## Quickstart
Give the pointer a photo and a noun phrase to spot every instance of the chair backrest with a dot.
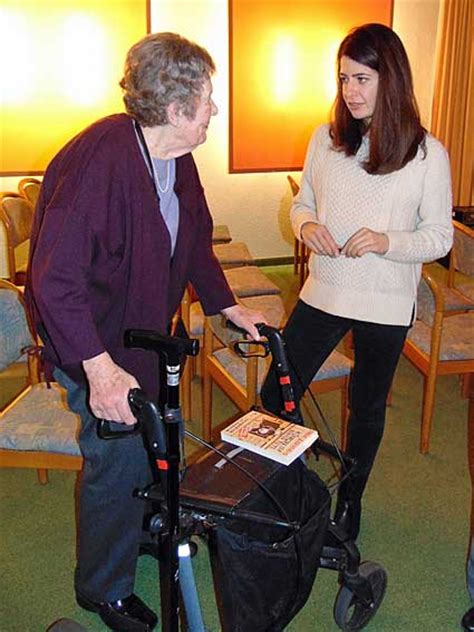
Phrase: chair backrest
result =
(295, 187)
(29, 188)
(16, 218)
(16, 332)
(464, 248)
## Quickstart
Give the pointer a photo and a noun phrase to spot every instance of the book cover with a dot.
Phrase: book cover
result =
(269, 436)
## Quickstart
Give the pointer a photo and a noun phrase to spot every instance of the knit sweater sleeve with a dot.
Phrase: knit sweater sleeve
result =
(304, 207)
(432, 236)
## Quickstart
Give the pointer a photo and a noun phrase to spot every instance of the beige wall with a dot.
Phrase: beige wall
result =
(416, 22)
(256, 206)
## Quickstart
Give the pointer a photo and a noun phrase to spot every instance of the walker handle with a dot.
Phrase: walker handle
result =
(112, 430)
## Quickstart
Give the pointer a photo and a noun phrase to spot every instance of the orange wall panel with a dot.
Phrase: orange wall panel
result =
(61, 64)
(283, 74)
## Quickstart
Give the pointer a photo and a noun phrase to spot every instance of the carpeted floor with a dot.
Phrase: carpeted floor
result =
(415, 523)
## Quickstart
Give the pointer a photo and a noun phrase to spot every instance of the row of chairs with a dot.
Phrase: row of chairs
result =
(16, 218)
(439, 343)
(37, 431)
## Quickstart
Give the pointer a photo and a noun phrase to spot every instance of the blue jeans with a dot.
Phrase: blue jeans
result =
(310, 336)
(110, 519)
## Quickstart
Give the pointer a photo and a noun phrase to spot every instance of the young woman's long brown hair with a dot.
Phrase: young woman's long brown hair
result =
(395, 130)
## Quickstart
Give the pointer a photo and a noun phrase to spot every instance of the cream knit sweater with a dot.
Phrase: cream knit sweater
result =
(411, 206)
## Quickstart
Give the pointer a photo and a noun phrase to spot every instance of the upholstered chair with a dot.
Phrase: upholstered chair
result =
(36, 428)
(437, 344)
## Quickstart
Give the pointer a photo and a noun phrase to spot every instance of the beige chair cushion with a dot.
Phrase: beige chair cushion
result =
(40, 421)
(221, 234)
(233, 255)
(336, 365)
(457, 341)
(250, 281)
(455, 299)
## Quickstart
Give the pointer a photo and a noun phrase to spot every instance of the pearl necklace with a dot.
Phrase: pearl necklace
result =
(157, 179)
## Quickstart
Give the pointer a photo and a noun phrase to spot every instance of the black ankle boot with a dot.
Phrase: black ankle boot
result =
(347, 514)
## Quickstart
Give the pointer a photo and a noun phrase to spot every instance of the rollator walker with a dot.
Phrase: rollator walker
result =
(267, 525)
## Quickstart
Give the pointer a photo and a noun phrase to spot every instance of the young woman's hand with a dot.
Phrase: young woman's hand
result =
(318, 239)
(364, 241)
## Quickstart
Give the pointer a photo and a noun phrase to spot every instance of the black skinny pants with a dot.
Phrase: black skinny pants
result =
(310, 336)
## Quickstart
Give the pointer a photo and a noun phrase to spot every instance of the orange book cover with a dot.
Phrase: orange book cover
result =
(269, 436)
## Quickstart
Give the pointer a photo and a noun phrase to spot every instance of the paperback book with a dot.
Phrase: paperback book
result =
(269, 436)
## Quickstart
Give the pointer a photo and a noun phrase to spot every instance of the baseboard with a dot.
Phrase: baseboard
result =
(274, 261)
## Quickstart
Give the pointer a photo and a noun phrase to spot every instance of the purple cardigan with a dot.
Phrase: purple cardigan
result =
(100, 252)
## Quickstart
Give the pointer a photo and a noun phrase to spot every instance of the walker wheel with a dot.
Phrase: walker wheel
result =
(352, 614)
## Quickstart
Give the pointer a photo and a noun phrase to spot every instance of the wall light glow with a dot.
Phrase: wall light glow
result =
(284, 53)
(16, 58)
(85, 63)
(60, 64)
(283, 74)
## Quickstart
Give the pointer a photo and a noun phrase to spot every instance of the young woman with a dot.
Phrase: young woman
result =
(374, 204)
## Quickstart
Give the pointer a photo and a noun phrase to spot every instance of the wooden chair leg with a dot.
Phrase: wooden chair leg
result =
(466, 385)
(303, 264)
(42, 476)
(429, 388)
(296, 256)
(186, 386)
(206, 405)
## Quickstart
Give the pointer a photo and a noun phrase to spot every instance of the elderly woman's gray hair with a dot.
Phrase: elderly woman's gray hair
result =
(160, 69)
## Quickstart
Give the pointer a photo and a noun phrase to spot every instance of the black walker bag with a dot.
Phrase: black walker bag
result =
(263, 574)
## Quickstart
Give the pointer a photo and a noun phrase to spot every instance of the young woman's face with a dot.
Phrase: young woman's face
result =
(359, 88)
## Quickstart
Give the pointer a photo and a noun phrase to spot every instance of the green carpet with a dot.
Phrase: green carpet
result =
(415, 522)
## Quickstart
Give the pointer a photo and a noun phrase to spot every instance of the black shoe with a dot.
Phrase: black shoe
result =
(347, 516)
(468, 621)
(125, 615)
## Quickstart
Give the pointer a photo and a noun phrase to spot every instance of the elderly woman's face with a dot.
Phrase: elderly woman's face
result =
(194, 132)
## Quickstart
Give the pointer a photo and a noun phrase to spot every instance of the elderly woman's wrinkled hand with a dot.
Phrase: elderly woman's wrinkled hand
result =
(109, 386)
(245, 318)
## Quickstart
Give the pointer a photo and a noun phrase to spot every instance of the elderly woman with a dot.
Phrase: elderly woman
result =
(122, 227)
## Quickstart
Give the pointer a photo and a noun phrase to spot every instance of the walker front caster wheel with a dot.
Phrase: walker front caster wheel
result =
(350, 613)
